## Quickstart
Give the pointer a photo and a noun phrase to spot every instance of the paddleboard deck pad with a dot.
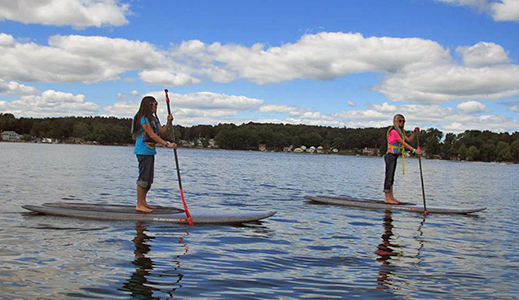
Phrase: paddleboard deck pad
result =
(159, 214)
(376, 204)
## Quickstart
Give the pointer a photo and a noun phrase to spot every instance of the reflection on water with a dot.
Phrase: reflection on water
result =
(139, 285)
(386, 251)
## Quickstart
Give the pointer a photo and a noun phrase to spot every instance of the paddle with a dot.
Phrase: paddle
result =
(188, 215)
(421, 175)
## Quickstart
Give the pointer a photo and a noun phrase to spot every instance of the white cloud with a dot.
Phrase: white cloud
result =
(6, 40)
(15, 88)
(514, 108)
(50, 104)
(292, 110)
(351, 104)
(31, 62)
(471, 107)
(415, 70)
(485, 122)
(193, 106)
(77, 59)
(209, 100)
(500, 10)
(320, 56)
(483, 54)
(119, 54)
(427, 116)
(434, 85)
(166, 78)
(75, 13)
(278, 108)
(505, 10)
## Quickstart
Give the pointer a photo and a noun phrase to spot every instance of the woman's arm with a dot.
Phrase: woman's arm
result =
(155, 137)
(168, 125)
(409, 147)
(411, 138)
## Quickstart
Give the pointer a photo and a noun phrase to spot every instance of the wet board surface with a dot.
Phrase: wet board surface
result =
(376, 204)
(159, 214)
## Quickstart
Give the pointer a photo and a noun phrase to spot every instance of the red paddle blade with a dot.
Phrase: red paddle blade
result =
(188, 215)
(167, 97)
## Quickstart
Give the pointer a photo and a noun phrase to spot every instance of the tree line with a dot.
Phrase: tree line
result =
(469, 145)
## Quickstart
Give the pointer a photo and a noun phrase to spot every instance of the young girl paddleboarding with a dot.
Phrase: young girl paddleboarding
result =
(146, 129)
(397, 142)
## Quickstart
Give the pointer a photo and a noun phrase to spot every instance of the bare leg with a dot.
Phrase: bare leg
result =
(141, 200)
(390, 199)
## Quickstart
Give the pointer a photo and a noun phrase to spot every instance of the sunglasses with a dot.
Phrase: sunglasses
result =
(154, 103)
(401, 121)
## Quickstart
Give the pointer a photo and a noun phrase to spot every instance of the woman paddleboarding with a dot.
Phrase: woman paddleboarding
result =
(397, 142)
(146, 129)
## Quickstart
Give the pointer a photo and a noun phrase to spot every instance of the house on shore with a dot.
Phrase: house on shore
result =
(11, 136)
(288, 149)
(212, 144)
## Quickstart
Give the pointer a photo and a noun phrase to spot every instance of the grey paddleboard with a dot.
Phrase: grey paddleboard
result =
(159, 214)
(376, 204)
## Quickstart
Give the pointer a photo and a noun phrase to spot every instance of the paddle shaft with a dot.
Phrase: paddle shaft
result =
(421, 175)
(188, 215)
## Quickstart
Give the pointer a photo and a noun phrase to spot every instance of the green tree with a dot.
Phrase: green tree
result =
(503, 152)
(514, 150)
(487, 151)
(463, 151)
(80, 130)
(473, 153)
(7, 122)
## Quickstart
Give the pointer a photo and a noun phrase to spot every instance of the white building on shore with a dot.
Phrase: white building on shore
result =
(11, 136)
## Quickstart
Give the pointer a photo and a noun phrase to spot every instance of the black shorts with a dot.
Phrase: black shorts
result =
(146, 171)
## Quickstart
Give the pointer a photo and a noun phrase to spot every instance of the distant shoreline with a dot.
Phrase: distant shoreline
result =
(219, 149)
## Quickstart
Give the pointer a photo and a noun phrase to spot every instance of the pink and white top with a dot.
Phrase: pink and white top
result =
(393, 136)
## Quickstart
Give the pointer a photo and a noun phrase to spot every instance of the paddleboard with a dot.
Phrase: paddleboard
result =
(376, 204)
(159, 214)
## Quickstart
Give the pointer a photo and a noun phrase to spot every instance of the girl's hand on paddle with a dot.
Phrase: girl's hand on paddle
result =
(171, 145)
(170, 118)
(418, 151)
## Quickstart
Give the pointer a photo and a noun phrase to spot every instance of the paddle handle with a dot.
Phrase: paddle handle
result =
(167, 101)
(421, 176)
(169, 113)
(188, 215)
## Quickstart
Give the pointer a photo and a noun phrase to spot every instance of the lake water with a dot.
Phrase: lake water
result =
(305, 251)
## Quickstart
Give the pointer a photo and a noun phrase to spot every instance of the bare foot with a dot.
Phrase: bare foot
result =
(392, 201)
(143, 209)
(150, 206)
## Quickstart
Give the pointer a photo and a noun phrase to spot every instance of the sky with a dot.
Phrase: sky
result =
(446, 64)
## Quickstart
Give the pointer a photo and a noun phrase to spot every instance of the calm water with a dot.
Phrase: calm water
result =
(304, 251)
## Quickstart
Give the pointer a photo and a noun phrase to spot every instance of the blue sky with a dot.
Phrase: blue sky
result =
(448, 64)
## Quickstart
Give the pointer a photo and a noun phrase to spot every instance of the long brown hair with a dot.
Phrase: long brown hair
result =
(144, 111)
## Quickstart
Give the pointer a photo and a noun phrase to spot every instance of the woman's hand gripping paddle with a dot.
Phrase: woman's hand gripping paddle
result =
(421, 175)
(188, 215)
